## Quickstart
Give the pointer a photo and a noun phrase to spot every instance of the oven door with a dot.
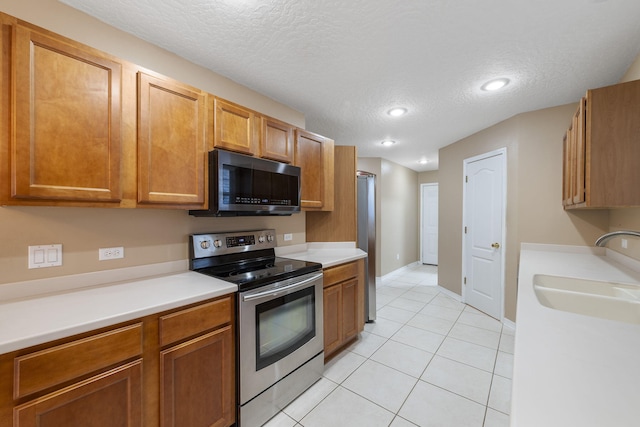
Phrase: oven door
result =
(280, 329)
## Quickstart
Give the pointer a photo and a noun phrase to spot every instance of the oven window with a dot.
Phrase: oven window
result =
(283, 325)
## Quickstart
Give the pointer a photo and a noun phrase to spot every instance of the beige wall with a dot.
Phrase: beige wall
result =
(450, 178)
(400, 210)
(148, 236)
(428, 177)
(397, 209)
(534, 181)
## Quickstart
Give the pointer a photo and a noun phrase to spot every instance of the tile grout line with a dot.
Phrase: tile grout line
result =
(418, 379)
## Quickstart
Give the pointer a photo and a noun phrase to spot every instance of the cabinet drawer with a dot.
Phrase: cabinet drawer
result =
(113, 398)
(192, 321)
(37, 371)
(340, 273)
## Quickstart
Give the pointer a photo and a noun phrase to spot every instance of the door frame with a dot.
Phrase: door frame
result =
(466, 162)
(422, 187)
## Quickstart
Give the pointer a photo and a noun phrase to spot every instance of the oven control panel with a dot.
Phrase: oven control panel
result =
(213, 244)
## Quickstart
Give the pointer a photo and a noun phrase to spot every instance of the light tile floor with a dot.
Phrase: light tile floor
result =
(428, 360)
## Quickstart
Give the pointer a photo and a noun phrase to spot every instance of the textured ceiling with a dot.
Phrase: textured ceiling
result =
(344, 64)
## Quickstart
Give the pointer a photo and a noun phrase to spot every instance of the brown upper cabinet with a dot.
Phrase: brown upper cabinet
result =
(236, 128)
(88, 129)
(66, 112)
(242, 130)
(601, 149)
(314, 155)
(171, 142)
(277, 140)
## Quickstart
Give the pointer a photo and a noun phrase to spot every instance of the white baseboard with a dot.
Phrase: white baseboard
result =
(398, 271)
(508, 323)
(450, 294)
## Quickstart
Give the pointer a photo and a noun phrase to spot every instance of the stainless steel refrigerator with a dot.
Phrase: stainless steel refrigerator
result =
(367, 238)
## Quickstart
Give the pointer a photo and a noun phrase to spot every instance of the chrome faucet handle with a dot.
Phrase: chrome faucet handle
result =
(602, 240)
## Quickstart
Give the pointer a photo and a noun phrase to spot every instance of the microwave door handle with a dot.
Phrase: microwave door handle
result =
(285, 289)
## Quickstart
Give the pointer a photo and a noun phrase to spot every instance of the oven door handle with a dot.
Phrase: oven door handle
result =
(284, 289)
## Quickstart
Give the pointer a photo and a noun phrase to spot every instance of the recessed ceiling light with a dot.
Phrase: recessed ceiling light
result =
(397, 112)
(387, 142)
(423, 161)
(495, 84)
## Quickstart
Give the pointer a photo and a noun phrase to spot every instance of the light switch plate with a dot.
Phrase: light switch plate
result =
(42, 256)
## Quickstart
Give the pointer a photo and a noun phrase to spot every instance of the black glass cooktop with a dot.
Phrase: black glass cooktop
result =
(252, 273)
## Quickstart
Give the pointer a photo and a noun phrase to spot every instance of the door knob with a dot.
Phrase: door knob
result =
(495, 245)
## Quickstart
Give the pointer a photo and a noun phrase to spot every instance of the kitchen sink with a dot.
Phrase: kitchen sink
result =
(607, 300)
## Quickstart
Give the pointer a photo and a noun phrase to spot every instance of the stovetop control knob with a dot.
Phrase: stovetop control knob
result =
(270, 237)
(217, 243)
(205, 244)
(261, 239)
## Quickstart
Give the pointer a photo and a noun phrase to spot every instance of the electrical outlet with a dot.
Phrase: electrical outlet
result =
(623, 243)
(288, 237)
(397, 256)
(110, 253)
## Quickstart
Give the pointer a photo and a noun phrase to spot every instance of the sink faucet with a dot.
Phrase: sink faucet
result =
(602, 240)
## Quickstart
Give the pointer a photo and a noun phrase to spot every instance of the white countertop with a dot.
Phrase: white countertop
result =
(571, 369)
(38, 311)
(328, 254)
(32, 320)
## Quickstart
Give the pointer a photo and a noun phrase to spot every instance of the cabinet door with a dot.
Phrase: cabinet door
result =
(111, 399)
(197, 382)
(171, 143)
(67, 114)
(314, 155)
(332, 323)
(566, 170)
(235, 128)
(277, 140)
(350, 324)
(578, 135)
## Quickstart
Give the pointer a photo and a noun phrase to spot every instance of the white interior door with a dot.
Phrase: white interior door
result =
(483, 216)
(429, 224)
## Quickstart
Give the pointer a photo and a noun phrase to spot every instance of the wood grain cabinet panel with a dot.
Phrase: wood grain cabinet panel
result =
(187, 323)
(110, 399)
(235, 128)
(601, 152)
(350, 312)
(66, 113)
(38, 371)
(339, 225)
(197, 382)
(277, 140)
(343, 305)
(332, 305)
(314, 155)
(171, 143)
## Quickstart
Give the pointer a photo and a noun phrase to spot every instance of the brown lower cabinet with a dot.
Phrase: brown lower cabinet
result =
(110, 399)
(174, 369)
(343, 301)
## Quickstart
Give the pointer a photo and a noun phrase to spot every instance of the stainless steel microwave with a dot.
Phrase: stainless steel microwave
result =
(245, 185)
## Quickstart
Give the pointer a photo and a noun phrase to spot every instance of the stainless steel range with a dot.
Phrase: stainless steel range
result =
(279, 318)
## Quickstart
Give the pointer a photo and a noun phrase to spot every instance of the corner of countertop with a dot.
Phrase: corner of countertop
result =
(310, 246)
(545, 247)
